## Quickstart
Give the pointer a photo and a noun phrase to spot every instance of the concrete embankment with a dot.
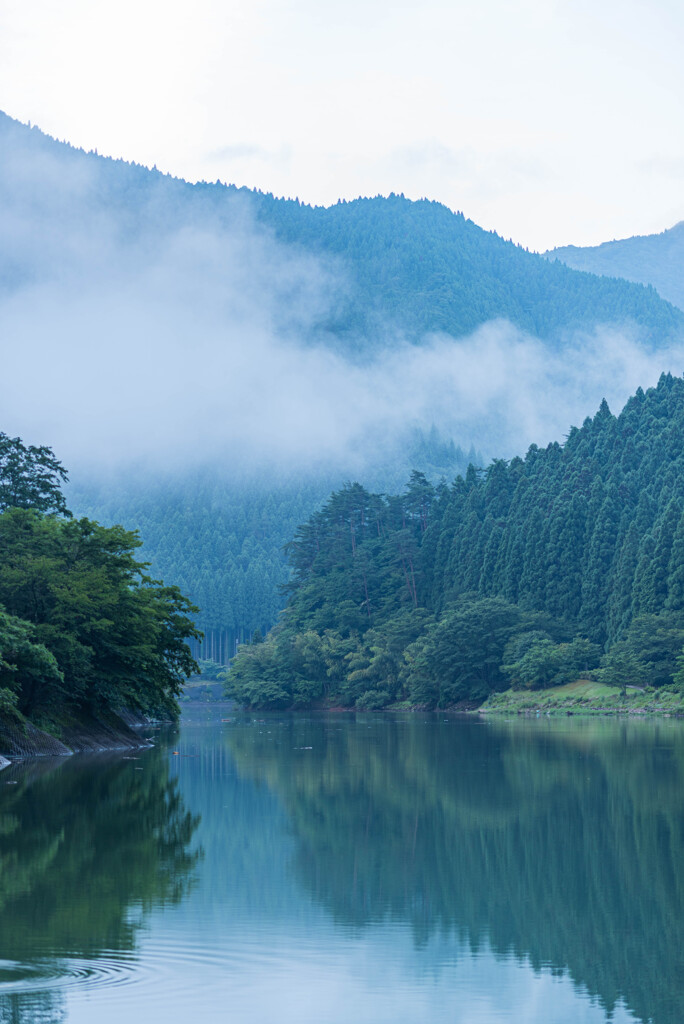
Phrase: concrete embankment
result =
(23, 739)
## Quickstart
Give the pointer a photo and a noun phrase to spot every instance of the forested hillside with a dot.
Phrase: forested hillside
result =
(139, 299)
(525, 574)
(647, 259)
(221, 544)
(406, 267)
(417, 267)
(222, 541)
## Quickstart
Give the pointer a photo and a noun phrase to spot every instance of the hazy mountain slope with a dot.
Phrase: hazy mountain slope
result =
(190, 345)
(422, 268)
(401, 267)
(222, 541)
(657, 260)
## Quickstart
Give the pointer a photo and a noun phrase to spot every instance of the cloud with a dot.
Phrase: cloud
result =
(248, 152)
(662, 166)
(489, 170)
(149, 331)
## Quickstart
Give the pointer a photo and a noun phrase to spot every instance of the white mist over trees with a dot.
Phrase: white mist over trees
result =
(157, 334)
(144, 319)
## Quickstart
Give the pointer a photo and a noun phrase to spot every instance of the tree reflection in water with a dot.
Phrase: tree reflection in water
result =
(88, 845)
(560, 843)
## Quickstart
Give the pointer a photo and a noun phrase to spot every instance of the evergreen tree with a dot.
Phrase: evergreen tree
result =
(522, 573)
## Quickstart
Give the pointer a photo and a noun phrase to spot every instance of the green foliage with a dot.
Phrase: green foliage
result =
(87, 628)
(459, 657)
(648, 653)
(407, 268)
(533, 661)
(30, 477)
(209, 669)
(254, 678)
(649, 259)
(373, 700)
(398, 269)
(25, 664)
(523, 574)
(222, 540)
(218, 540)
(418, 267)
(8, 703)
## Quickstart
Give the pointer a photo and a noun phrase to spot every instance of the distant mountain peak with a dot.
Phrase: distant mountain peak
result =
(656, 260)
(413, 268)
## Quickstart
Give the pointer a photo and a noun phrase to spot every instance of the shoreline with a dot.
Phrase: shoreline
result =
(20, 739)
(583, 697)
(586, 697)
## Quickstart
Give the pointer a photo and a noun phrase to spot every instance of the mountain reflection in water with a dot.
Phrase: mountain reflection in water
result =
(558, 842)
(382, 868)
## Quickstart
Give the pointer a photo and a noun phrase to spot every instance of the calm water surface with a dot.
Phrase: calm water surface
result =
(364, 868)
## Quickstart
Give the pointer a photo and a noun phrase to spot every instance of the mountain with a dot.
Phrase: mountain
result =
(656, 260)
(179, 331)
(420, 268)
(407, 268)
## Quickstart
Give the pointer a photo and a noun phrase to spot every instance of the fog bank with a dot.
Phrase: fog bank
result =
(143, 336)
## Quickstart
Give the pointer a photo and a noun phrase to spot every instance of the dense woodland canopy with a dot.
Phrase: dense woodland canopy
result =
(222, 539)
(404, 266)
(393, 270)
(83, 628)
(528, 573)
(654, 259)
(420, 268)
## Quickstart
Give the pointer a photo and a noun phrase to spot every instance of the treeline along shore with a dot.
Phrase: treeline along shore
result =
(528, 575)
(88, 641)
(503, 589)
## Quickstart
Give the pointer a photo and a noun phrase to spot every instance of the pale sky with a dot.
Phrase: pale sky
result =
(550, 121)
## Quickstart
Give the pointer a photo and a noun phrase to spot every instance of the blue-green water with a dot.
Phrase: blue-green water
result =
(364, 868)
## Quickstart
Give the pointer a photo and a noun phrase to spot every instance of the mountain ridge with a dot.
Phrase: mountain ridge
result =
(412, 268)
(656, 259)
(97, 251)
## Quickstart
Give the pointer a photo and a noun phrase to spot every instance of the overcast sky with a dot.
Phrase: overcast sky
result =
(551, 121)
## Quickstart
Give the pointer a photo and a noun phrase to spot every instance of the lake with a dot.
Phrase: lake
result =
(349, 867)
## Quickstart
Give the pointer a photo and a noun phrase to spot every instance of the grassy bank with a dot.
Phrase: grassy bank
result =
(585, 697)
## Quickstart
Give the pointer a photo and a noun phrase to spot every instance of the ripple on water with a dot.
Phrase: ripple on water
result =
(168, 965)
(163, 966)
(50, 973)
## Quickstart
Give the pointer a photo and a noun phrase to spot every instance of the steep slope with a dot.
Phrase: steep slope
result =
(421, 268)
(95, 252)
(449, 594)
(656, 260)
(404, 267)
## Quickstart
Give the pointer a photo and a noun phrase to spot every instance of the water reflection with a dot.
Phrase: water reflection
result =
(87, 846)
(554, 842)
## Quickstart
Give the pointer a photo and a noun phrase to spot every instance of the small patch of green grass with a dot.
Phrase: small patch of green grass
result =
(585, 696)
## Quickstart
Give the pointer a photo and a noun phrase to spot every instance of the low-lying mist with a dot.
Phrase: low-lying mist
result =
(160, 340)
